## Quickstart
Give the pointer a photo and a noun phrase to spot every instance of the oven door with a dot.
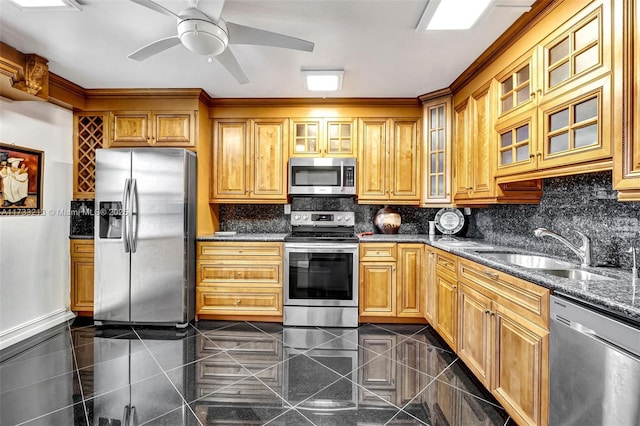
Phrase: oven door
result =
(321, 274)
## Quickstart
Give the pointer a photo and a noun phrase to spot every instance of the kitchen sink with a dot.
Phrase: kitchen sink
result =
(575, 274)
(532, 261)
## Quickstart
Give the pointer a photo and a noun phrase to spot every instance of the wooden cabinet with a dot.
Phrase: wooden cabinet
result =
(430, 284)
(323, 137)
(503, 338)
(446, 298)
(563, 95)
(391, 280)
(239, 279)
(474, 151)
(626, 165)
(436, 160)
(89, 133)
(389, 161)
(249, 161)
(397, 376)
(82, 276)
(156, 128)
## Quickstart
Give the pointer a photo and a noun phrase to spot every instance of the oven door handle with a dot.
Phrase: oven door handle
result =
(320, 247)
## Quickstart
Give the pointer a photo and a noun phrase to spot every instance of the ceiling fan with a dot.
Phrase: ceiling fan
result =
(210, 35)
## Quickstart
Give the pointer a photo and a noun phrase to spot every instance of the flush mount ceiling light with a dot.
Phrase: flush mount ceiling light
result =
(322, 80)
(463, 14)
(46, 5)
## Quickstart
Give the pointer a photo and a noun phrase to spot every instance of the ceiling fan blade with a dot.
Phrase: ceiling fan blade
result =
(240, 34)
(155, 6)
(214, 9)
(230, 62)
(154, 48)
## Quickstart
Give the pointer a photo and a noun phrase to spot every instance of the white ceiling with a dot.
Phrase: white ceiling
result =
(374, 41)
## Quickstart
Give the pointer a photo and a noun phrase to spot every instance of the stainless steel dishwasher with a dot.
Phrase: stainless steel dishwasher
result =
(594, 363)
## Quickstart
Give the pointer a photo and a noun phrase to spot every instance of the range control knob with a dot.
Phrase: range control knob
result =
(305, 217)
(339, 218)
(296, 217)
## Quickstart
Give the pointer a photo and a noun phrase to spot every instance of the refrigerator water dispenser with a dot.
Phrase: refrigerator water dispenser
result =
(110, 219)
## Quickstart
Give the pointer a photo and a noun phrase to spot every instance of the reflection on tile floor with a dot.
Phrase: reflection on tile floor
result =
(217, 372)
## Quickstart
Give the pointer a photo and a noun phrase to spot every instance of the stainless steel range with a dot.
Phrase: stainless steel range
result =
(321, 270)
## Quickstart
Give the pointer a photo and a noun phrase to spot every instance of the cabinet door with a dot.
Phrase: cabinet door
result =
(372, 161)
(270, 160)
(340, 137)
(517, 144)
(82, 284)
(521, 367)
(129, 128)
(430, 286)
(306, 138)
(230, 160)
(482, 163)
(474, 332)
(447, 310)
(378, 289)
(404, 178)
(175, 129)
(410, 281)
(463, 150)
(436, 163)
(626, 164)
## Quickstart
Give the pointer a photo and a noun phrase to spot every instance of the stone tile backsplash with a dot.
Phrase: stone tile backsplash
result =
(584, 203)
(82, 218)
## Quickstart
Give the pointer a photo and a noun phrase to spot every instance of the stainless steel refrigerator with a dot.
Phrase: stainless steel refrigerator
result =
(145, 236)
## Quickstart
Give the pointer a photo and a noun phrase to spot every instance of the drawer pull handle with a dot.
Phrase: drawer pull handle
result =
(492, 275)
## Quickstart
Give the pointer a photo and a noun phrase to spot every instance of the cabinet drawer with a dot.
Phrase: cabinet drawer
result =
(524, 298)
(446, 262)
(377, 252)
(241, 273)
(83, 248)
(233, 250)
(241, 301)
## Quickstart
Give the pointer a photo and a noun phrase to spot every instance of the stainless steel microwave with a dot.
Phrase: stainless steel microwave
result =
(322, 176)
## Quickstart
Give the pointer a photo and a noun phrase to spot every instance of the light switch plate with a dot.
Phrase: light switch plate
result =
(287, 209)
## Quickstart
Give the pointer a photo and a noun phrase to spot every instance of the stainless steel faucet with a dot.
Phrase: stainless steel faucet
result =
(583, 252)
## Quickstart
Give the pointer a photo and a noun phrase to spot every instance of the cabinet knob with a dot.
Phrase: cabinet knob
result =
(454, 286)
(468, 187)
(486, 311)
(237, 302)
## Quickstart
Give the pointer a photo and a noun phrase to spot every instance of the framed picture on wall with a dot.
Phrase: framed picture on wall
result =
(20, 180)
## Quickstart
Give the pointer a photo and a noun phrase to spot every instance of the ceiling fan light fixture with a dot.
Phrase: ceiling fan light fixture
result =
(323, 80)
(203, 37)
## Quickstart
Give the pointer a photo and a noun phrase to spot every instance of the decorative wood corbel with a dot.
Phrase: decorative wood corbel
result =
(27, 74)
(36, 73)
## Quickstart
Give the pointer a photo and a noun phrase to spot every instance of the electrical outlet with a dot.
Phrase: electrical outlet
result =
(287, 209)
(467, 211)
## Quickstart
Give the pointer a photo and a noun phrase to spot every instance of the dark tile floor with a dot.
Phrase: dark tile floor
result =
(241, 373)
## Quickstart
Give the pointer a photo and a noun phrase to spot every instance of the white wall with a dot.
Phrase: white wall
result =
(34, 250)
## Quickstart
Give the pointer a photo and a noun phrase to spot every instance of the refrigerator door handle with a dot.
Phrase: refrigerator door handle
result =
(125, 416)
(132, 416)
(125, 208)
(133, 216)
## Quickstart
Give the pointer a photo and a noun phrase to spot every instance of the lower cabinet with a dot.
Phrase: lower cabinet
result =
(503, 337)
(446, 297)
(392, 280)
(82, 277)
(239, 279)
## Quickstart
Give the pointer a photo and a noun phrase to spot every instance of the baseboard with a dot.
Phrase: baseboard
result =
(31, 328)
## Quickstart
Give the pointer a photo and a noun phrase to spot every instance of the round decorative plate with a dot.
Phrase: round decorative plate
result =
(449, 220)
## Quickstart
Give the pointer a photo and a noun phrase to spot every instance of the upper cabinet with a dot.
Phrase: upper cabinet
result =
(389, 161)
(436, 151)
(626, 171)
(249, 161)
(145, 128)
(555, 102)
(323, 137)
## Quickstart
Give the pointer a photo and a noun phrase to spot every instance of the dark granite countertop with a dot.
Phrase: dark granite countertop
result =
(81, 237)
